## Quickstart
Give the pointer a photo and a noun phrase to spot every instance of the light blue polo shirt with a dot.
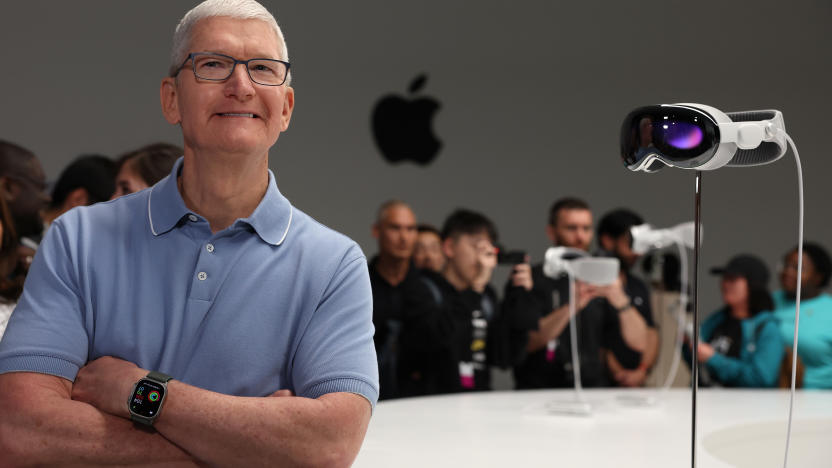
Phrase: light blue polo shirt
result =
(275, 301)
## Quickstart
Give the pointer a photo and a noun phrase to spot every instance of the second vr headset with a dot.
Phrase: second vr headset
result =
(695, 136)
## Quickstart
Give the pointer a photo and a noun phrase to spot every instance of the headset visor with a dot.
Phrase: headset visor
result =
(675, 135)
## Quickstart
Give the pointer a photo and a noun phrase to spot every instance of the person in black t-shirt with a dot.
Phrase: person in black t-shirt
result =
(633, 350)
(454, 329)
(391, 277)
(605, 317)
(549, 359)
(427, 255)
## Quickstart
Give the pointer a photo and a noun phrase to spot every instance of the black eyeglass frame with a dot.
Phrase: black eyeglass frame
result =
(192, 55)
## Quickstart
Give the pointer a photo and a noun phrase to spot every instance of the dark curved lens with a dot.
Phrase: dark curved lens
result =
(637, 136)
(675, 135)
(633, 133)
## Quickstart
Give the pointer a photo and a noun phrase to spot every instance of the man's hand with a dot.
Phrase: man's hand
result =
(585, 292)
(486, 261)
(106, 383)
(521, 275)
(626, 377)
(705, 352)
(25, 255)
(631, 378)
(615, 294)
(42, 426)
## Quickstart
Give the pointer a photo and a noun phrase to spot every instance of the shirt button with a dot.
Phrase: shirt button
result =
(202, 276)
(193, 218)
(209, 248)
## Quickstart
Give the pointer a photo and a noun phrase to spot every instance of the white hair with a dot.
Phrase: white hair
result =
(237, 9)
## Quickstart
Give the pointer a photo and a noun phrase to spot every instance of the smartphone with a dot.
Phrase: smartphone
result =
(510, 257)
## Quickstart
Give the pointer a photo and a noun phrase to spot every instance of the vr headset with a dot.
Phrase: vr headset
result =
(646, 237)
(695, 136)
(599, 271)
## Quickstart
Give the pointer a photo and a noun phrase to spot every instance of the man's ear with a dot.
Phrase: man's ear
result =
(550, 233)
(374, 230)
(288, 107)
(77, 197)
(168, 95)
(8, 190)
(448, 247)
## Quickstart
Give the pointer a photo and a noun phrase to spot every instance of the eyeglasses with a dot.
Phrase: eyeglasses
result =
(219, 67)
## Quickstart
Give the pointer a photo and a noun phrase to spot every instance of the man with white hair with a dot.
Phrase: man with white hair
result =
(230, 327)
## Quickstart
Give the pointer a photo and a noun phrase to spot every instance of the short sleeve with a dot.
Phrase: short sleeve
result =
(336, 351)
(47, 332)
(640, 298)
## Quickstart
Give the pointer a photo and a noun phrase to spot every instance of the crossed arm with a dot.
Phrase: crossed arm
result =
(635, 377)
(50, 421)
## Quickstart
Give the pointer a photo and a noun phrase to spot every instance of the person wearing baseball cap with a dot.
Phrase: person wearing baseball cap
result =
(740, 343)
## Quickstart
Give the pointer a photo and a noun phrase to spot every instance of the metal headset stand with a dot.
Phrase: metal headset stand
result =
(695, 345)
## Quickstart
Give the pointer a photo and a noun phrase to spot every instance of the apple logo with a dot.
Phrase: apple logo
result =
(402, 127)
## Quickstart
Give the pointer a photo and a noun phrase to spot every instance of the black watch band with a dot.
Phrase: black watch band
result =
(159, 377)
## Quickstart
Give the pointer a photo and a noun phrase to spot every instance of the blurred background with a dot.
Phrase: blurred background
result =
(531, 96)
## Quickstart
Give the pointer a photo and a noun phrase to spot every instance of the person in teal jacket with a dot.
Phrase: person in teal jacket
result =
(740, 344)
(814, 347)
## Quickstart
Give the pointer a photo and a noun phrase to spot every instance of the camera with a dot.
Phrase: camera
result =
(510, 257)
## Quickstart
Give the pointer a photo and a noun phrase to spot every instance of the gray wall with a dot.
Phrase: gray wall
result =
(532, 93)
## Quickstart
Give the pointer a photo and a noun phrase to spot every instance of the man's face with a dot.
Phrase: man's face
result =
(810, 277)
(214, 115)
(573, 229)
(428, 252)
(128, 180)
(26, 197)
(734, 290)
(464, 252)
(396, 232)
(622, 248)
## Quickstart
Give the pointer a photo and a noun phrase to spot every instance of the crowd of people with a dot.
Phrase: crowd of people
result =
(440, 324)
(179, 310)
(29, 206)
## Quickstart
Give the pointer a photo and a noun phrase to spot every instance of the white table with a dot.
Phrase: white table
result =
(514, 429)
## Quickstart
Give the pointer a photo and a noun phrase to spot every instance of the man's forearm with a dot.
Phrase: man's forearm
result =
(549, 328)
(648, 357)
(633, 329)
(42, 426)
(267, 431)
(226, 430)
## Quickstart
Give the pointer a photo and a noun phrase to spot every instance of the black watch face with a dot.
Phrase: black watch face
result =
(147, 398)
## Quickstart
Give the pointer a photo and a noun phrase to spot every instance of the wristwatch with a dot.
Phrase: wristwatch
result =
(145, 402)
